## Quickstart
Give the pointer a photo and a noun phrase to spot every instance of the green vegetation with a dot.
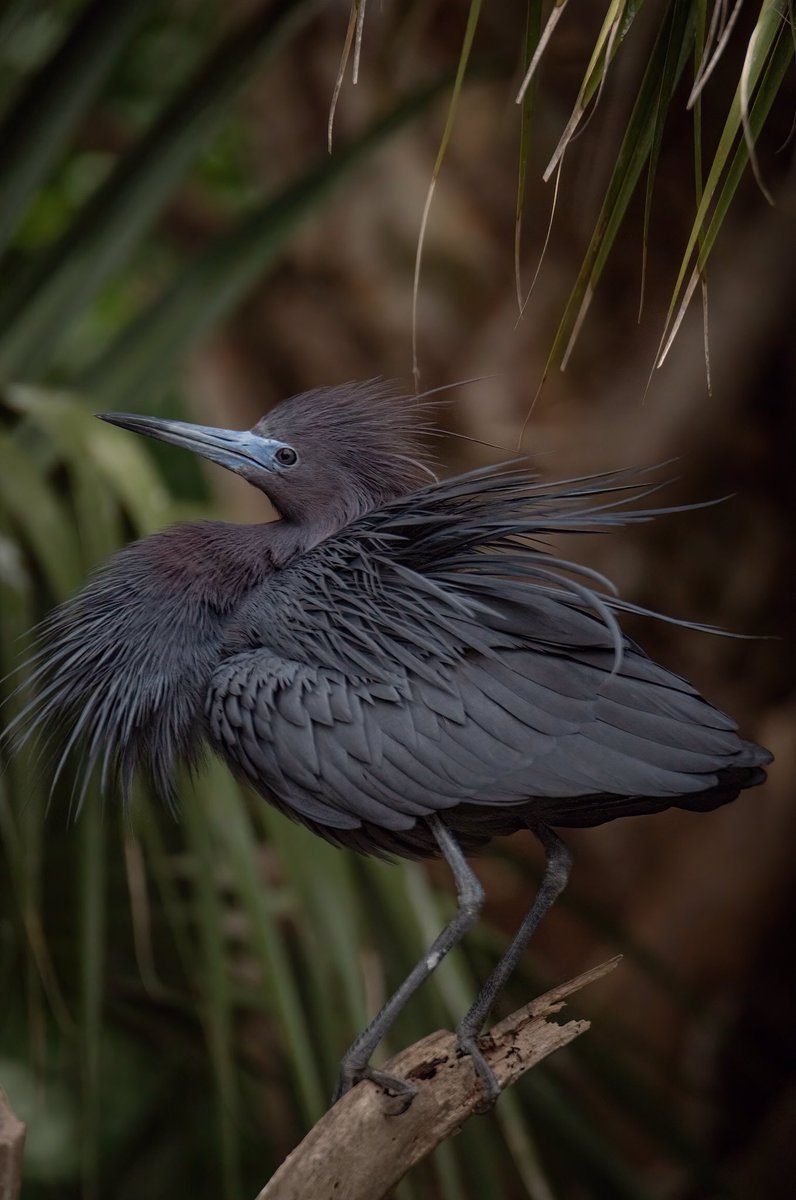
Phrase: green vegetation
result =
(174, 997)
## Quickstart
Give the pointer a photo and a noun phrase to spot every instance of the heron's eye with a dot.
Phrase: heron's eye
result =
(286, 456)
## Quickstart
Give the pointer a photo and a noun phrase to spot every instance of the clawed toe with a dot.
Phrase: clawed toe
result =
(399, 1092)
(489, 1081)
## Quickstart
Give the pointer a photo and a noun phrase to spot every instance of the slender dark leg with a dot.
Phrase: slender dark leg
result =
(470, 894)
(554, 880)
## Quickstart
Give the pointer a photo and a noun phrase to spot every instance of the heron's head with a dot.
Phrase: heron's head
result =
(325, 456)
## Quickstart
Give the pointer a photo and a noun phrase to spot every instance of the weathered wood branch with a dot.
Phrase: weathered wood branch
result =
(358, 1151)
(12, 1143)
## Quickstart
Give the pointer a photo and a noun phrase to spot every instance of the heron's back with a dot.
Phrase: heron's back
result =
(423, 663)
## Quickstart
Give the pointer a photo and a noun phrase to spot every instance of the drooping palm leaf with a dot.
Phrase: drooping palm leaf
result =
(34, 132)
(38, 313)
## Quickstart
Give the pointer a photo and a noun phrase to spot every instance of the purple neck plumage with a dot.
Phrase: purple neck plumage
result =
(213, 563)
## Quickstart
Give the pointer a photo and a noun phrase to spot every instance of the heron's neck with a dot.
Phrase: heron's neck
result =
(327, 504)
(213, 563)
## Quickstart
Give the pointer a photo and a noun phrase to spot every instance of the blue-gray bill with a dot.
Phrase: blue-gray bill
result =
(399, 664)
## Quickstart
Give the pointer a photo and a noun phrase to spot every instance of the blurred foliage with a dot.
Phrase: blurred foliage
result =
(174, 999)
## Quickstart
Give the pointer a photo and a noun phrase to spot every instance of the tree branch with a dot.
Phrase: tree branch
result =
(358, 1151)
(12, 1142)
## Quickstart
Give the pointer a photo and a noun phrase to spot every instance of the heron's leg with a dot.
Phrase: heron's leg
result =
(470, 894)
(554, 880)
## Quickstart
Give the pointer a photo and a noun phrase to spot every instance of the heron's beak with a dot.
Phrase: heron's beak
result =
(235, 449)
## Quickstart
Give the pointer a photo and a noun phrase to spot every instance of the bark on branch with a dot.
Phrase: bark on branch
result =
(358, 1151)
(12, 1142)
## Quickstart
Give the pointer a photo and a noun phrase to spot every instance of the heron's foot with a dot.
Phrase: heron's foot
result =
(399, 1093)
(468, 1044)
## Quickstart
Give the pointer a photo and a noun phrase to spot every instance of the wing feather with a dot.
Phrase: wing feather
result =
(432, 654)
(494, 745)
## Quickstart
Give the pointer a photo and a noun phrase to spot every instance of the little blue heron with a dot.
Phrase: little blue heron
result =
(399, 663)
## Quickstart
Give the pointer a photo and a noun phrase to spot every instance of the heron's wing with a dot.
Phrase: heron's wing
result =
(341, 751)
(433, 654)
